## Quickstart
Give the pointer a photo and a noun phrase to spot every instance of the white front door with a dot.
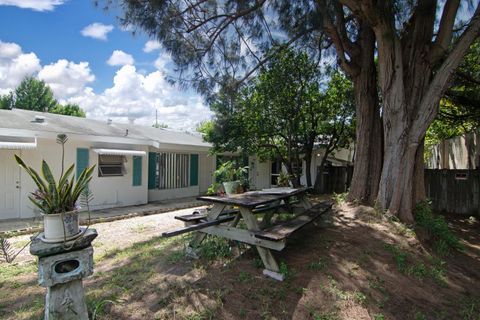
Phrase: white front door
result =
(9, 186)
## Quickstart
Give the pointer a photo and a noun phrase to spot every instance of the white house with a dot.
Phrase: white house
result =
(134, 164)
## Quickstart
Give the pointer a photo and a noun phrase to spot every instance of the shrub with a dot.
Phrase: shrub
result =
(436, 228)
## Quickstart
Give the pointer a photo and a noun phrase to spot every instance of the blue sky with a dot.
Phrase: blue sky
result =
(85, 56)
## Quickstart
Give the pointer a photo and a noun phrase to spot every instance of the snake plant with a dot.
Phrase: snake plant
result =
(56, 196)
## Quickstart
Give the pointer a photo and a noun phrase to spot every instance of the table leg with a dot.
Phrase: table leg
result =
(271, 266)
(303, 199)
(192, 247)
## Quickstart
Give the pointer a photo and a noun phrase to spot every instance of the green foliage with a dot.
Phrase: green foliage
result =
(214, 247)
(33, 94)
(230, 171)
(458, 113)
(339, 197)
(54, 196)
(436, 228)
(205, 127)
(7, 101)
(283, 179)
(283, 113)
(69, 110)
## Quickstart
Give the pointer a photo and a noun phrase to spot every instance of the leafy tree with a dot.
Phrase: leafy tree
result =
(205, 127)
(282, 115)
(33, 94)
(69, 110)
(6, 101)
(213, 42)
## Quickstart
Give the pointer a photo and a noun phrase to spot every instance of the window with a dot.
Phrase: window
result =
(275, 172)
(172, 170)
(111, 165)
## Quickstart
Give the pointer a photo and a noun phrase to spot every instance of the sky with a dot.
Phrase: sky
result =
(85, 56)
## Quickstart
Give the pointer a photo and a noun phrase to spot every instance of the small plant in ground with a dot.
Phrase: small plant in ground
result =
(325, 316)
(284, 269)
(244, 276)
(215, 247)
(420, 316)
(399, 256)
(378, 316)
(436, 228)
(257, 263)
(340, 197)
(470, 309)
(360, 297)
(320, 264)
(175, 256)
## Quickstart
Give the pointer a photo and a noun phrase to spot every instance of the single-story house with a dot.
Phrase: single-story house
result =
(134, 164)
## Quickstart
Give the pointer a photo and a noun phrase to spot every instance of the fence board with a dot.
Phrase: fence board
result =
(453, 191)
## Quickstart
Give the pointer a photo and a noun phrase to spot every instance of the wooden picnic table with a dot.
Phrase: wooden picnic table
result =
(222, 219)
(267, 202)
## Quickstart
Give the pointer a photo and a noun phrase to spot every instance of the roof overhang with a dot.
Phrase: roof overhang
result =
(18, 143)
(119, 152)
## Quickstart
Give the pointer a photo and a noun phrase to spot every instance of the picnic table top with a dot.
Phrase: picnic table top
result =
(252, 199)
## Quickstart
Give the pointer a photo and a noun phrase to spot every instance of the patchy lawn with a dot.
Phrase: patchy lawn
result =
(352, 264)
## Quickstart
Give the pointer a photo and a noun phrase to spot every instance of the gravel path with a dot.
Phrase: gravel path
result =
(118, 234)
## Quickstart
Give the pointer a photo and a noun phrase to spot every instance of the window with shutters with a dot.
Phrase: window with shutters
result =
(172, 170)
(111, 165)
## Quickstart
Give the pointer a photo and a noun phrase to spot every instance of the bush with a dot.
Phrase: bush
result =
(436, 228)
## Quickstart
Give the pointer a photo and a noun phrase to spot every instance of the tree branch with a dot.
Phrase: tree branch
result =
(445, 31)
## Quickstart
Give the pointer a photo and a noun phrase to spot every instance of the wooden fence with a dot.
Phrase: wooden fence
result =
(336, 179)
(453, 191)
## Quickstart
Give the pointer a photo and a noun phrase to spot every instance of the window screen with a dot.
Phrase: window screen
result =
(111, 165)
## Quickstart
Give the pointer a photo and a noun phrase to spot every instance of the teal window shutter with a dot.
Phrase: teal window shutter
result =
(82, 160)
(137, 171)
(194, 170)
(152, 170)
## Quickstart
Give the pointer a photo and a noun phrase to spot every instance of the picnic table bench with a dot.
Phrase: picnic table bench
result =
(222, 219)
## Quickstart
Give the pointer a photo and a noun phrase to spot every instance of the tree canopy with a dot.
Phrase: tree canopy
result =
(283, 114)
(33, 94)
(419, 45)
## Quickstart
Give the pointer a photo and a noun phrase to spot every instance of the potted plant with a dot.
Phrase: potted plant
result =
(57, 200)
(231, 176)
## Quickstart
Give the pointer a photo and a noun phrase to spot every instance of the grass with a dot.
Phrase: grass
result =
(436, 228)
(433, 268)
(319, 264)
(214, 247)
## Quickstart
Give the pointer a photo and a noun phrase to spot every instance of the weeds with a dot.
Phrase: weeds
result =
(320, 264)
(470, 309)
(340, 197)
(436, 228)
(214, 247)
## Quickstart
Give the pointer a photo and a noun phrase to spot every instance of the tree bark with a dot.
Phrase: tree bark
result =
(308, 167)
(369, 137)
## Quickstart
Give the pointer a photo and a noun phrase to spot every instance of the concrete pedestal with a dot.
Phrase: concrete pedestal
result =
(66, 301)
(61, 271)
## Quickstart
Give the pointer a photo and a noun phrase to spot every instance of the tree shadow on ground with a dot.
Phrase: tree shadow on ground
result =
(351, 264)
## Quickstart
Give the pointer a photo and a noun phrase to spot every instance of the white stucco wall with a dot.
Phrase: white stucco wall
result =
(107, 192)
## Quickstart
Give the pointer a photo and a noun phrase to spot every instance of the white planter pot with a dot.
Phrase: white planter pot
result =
(232, 187)
(57, 229)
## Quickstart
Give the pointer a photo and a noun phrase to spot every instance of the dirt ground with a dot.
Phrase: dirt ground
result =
(351, 264)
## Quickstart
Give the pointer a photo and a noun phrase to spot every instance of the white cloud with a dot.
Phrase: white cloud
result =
(37, 5)
(66, 78)
(97, 31)
(162, 61)
(120, 58)
(151, 45)
(135, 96)
(15, 65)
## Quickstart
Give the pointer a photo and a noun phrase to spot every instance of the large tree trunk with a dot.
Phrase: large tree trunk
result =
(308, 167)
(369, 142)
(412, 85)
